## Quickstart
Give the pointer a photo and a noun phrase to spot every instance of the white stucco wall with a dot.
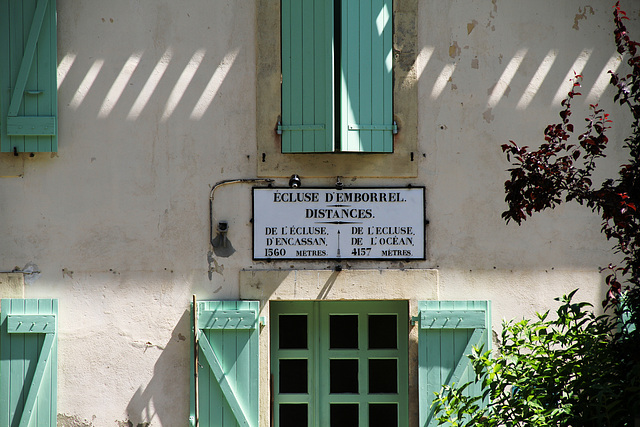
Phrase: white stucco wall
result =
(157, 103)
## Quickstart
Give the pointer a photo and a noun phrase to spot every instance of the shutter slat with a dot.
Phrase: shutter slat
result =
(308, 74)
(296, 72)
(27, 107)
(47, 81)
(386, 76)
(350, 74)
(286, 101)
(377, 81)
(229, 347)
(367, 91)
(323, 96)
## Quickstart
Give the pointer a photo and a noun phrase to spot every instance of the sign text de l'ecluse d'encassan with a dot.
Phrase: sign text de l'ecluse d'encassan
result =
(351, 223)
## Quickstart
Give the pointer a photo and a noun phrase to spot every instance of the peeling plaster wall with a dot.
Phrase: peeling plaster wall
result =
(157, 103)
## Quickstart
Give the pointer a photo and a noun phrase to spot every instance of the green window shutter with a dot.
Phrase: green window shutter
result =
(448, 331)
(28, 362)
(307, 98)
(28, 96)
(366, 108)
(227, 337)
(626, 324)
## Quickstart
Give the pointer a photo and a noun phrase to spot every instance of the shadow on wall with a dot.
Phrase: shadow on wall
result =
(138, 84)
(165, 399)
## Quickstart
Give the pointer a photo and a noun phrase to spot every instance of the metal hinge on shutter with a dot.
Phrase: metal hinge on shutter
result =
(282, 128)
(393, 128)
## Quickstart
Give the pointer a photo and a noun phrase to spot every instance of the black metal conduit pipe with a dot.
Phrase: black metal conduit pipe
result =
(226, 182)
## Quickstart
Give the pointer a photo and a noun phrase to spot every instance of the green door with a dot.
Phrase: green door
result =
(339, 363)
(28, 362)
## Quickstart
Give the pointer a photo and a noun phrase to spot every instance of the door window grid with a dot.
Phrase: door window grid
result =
(353, 372)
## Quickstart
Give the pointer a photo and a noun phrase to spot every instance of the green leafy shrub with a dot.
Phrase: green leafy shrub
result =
(567, 371)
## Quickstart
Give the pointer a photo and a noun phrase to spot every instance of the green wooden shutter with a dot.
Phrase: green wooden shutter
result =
(227, 334)
(448, 331)
(28, 96)
(626, 324)
(28, 362)
(366, 76)
(307, 95)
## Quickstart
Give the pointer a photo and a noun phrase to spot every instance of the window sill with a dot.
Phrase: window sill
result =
(400, 164)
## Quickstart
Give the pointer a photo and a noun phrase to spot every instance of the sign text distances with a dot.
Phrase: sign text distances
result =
(324, 223)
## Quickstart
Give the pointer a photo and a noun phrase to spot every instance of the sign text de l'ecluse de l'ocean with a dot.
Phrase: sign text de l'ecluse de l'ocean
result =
(324, 223)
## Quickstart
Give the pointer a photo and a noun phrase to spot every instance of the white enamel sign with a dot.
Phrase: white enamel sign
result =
(324, 223)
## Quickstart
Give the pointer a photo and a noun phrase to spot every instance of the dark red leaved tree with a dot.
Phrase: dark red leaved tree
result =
(561, 170)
